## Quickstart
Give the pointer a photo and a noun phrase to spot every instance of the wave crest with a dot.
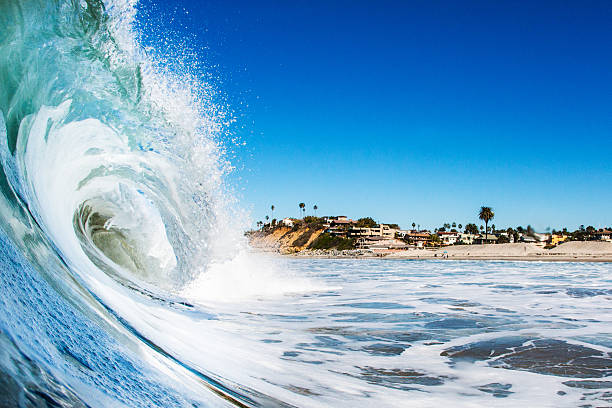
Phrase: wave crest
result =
(112, 154)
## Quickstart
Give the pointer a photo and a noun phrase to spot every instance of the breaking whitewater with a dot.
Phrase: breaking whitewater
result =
(117, 290)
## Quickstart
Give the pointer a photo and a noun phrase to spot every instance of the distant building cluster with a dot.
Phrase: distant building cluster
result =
(384, 236)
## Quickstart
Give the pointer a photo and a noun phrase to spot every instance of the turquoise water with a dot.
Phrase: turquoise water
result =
(125, 279)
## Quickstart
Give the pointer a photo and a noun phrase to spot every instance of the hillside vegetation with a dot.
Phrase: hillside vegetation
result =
(306, 234)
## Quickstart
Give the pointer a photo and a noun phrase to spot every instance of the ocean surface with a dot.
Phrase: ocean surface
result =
(125, 279)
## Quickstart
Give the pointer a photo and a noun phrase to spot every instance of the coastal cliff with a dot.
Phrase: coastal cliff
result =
(285, 240)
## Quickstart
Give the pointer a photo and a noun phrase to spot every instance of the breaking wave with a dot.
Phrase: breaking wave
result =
(112, 204)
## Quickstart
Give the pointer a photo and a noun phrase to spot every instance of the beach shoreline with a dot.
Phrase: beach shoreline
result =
(531, 258)
(575, 251)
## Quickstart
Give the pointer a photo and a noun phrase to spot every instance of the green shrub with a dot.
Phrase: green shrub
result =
(366, 222)
(503, 239)
(327, 241)
(314, 222)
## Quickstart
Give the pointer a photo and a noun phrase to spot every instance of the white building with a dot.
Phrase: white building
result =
(381, 230)
(467, 239)
(287, 222)
(448, 238)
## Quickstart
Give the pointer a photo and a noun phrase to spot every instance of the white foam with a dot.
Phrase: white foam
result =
(248, 276)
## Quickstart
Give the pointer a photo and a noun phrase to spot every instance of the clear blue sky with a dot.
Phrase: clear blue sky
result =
(415, 111)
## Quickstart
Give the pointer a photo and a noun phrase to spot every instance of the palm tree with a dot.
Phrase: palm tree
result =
(272, 208)
(486, 214)
(302, 207)
(460, 226)
(315, 208)
(267, 218)
(413, 225)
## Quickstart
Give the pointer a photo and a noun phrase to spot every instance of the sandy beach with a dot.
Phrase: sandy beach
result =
(576, 251)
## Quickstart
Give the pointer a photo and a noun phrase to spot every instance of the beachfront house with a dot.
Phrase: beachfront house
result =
(287, 222)
(338, 220)
(448, 237)
(338, 225)
(556, 239)
(418, 238)
(342, 222)
(538, 239)
(467, 239)
(381, 230)
(488, 239)
(603, 235)
(337, 231)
